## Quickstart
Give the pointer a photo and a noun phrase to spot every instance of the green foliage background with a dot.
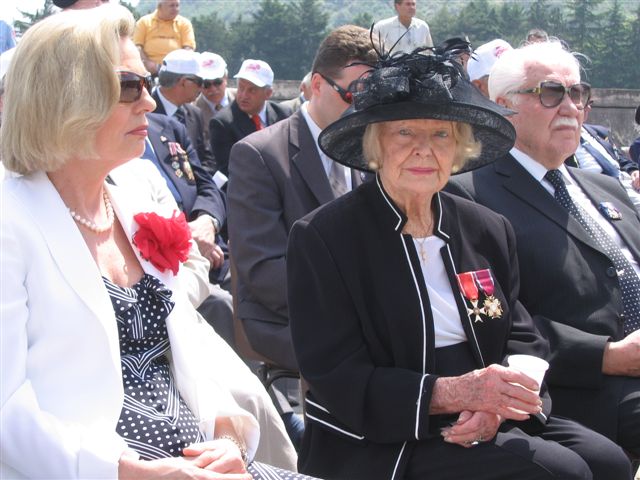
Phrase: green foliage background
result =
(286, 33)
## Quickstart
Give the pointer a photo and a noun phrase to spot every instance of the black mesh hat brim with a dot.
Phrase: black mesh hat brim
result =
(342, 140)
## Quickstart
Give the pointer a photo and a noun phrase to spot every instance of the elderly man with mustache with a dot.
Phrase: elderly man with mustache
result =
(578, 242)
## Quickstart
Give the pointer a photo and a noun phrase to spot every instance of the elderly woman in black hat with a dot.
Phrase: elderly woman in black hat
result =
(403, 301)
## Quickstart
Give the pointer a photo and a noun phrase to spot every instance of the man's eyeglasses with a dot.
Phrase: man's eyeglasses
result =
(131, 85)
(216, 82)
(551, 93)
(195, 79)
(345, 95)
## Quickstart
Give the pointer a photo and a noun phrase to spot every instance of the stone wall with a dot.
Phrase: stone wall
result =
(613, 108)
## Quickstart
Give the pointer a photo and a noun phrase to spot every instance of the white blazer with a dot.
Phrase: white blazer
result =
(61, 386)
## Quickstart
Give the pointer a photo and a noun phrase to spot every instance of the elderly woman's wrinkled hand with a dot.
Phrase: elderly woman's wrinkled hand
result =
(495, 389)
(472, 428)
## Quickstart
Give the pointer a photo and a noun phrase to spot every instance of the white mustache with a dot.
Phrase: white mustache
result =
(565, 122)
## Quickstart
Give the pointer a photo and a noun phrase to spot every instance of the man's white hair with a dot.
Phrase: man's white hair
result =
(509, 71)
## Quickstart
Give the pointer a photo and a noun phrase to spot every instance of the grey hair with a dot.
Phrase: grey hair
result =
(510, 70)
(168, 79)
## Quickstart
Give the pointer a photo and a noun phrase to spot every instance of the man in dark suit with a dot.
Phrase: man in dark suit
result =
(215, 93)
(170, 150)
(573, 228)
(180, 81)
(277, 176)
(251, 111)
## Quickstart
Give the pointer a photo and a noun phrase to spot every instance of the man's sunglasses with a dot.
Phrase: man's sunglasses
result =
(551, 93)
(216, 82)
(345, 95)
(131, 85)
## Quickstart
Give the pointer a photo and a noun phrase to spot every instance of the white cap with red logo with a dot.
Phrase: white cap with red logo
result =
(484, 57)
(212, 66)
(257, 72)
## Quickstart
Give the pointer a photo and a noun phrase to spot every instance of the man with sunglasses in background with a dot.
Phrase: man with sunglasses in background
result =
(578, 242)
(597, 153)
(277, 176)
(250, 111)
(180, 81)
(215, 94)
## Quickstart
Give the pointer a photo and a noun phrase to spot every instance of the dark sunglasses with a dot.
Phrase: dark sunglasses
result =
(215, 82)
(551, 93)
(131, 85)
(195, 79)
(345, 95)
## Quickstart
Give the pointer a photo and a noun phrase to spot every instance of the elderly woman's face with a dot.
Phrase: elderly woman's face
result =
(122, 136)
(417, 155)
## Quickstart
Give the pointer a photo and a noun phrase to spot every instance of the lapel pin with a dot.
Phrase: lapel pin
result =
(610, 211)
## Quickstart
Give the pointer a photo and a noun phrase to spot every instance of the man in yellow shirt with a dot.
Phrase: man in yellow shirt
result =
(161, 32)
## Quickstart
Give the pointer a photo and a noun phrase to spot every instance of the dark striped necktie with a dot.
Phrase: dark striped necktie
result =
(628, 278)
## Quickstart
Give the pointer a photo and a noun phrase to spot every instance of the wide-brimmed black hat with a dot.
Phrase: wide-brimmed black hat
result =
(415, 86)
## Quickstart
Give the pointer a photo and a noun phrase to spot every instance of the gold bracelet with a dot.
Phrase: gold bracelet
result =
(241, 447)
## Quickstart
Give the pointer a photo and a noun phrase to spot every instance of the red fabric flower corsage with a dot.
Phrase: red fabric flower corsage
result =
(165, 242)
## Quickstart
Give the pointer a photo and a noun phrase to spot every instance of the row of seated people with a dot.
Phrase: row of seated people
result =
(273, 185)
(280, 174)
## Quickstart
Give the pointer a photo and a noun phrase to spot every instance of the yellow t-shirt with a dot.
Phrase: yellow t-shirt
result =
(159, 37)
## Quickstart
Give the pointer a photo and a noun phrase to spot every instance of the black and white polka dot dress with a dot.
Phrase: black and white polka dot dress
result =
(155, 421)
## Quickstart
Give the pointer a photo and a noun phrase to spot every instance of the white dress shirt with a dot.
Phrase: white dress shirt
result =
(391, 29)
(315, 133)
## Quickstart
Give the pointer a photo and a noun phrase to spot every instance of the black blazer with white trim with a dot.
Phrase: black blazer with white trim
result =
(363, 331)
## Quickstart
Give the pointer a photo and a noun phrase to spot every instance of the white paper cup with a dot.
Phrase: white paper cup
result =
(533, 367)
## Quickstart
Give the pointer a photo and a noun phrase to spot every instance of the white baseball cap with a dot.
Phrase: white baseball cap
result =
(182, 61)
(212, 66)
(257, 72)
(484, 57)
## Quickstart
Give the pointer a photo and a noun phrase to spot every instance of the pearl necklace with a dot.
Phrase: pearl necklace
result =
(93, 226)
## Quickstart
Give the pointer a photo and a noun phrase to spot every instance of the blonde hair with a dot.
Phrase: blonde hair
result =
(467, 147)
(61, 87)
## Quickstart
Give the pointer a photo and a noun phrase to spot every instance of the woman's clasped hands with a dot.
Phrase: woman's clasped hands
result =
(485, 398)
(218, 459)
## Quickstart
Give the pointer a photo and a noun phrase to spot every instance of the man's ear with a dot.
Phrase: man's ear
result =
(269, 92)
(503, 101)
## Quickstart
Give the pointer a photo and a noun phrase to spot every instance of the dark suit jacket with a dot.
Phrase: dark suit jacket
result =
(194, 124)
(568, 284)
(363, 330)
(232, 124)
(601, 134)
(276, 178)
(198, 196)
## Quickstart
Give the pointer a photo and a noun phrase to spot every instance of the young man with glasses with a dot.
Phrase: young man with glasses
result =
(578, 242)
(215, 94)
(277, 176)
(180, 80)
